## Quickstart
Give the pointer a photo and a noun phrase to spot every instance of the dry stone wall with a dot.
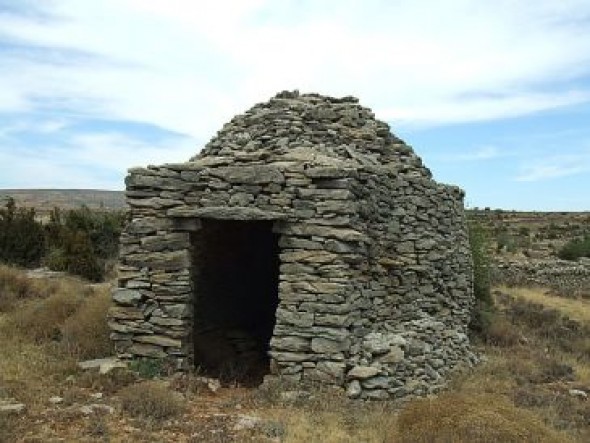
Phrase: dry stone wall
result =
(375, 281)
(566, 278)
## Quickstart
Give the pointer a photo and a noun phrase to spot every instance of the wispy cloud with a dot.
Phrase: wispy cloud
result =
(460, 61)
(86, 160)
(483, 153)
(552, 167)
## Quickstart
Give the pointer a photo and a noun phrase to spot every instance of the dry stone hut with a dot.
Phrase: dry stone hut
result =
(305, 241)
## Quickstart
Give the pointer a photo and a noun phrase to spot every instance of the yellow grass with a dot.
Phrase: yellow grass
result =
(334, 425)
(576, 309)
(491, 403)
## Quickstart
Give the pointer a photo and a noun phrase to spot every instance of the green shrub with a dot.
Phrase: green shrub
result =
(22, 240)
(83, 241)
(575, 248)
(80, 257)
(147, 367)
(483, 310)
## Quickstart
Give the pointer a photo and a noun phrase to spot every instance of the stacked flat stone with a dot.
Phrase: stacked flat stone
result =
(375, 289)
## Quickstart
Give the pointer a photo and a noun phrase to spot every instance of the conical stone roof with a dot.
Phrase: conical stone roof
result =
(334, 127)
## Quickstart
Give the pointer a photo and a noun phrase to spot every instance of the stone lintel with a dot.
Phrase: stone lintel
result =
(226, 213)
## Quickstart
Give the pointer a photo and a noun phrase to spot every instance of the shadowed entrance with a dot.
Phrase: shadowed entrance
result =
(236, 277)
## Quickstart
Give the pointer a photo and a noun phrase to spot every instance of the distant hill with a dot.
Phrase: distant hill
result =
(43, 200)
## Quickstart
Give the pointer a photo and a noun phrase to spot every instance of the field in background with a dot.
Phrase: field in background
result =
(44, 200)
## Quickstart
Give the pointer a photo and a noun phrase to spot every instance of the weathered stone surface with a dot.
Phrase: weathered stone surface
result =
(257, 174)
(362, 372)
(127, 297)
(147, 225)
(168, 242)
(327, 346)
(395, 355)
(227, 213)
(122, 313)
(354, 389)
(104, 365)
(167, 261)
(291, 344)
(147, 350)
(158, 340)
(378, 382)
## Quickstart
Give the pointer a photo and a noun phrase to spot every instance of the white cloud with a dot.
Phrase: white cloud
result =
(556, 166)
(483, 153)
(189, 66)
(89, 160)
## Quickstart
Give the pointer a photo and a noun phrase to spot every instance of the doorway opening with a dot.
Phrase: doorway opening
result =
(236, 280)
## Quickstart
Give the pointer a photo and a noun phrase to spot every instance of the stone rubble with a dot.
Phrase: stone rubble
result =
(375, 289)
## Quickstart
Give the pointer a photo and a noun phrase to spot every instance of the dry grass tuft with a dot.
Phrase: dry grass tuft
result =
(7, 428)
(322, 413)
(150, 400)
(15, 287)
(41, 320)
(502, 333)
(85, 334)
(471, 418)
(576, 309)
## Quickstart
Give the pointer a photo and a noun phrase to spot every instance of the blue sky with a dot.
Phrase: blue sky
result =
(493, 95)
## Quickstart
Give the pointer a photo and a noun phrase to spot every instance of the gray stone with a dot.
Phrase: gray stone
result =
(146, 350)
(252, 175)
(395, 355)
(327, 346)
(104, 365)
(379, 382)
(362, 372)
(354, 389)
(291, 344)
(127, 297)
(227, 213)
(158, 340)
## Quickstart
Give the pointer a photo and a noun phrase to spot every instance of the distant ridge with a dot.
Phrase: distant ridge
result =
(44, 200)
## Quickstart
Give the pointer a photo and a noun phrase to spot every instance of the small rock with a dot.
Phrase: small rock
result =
(11, 407)
(97, 396)
(212, 383)
(246, 422)
(578, 393)
(354, 389)
(104, 365)
(292, 396)
(55, 400)
(363, 372)
(96, 407)
(395, 355)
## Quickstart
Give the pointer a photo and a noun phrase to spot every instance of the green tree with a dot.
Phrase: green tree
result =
(22, 240)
